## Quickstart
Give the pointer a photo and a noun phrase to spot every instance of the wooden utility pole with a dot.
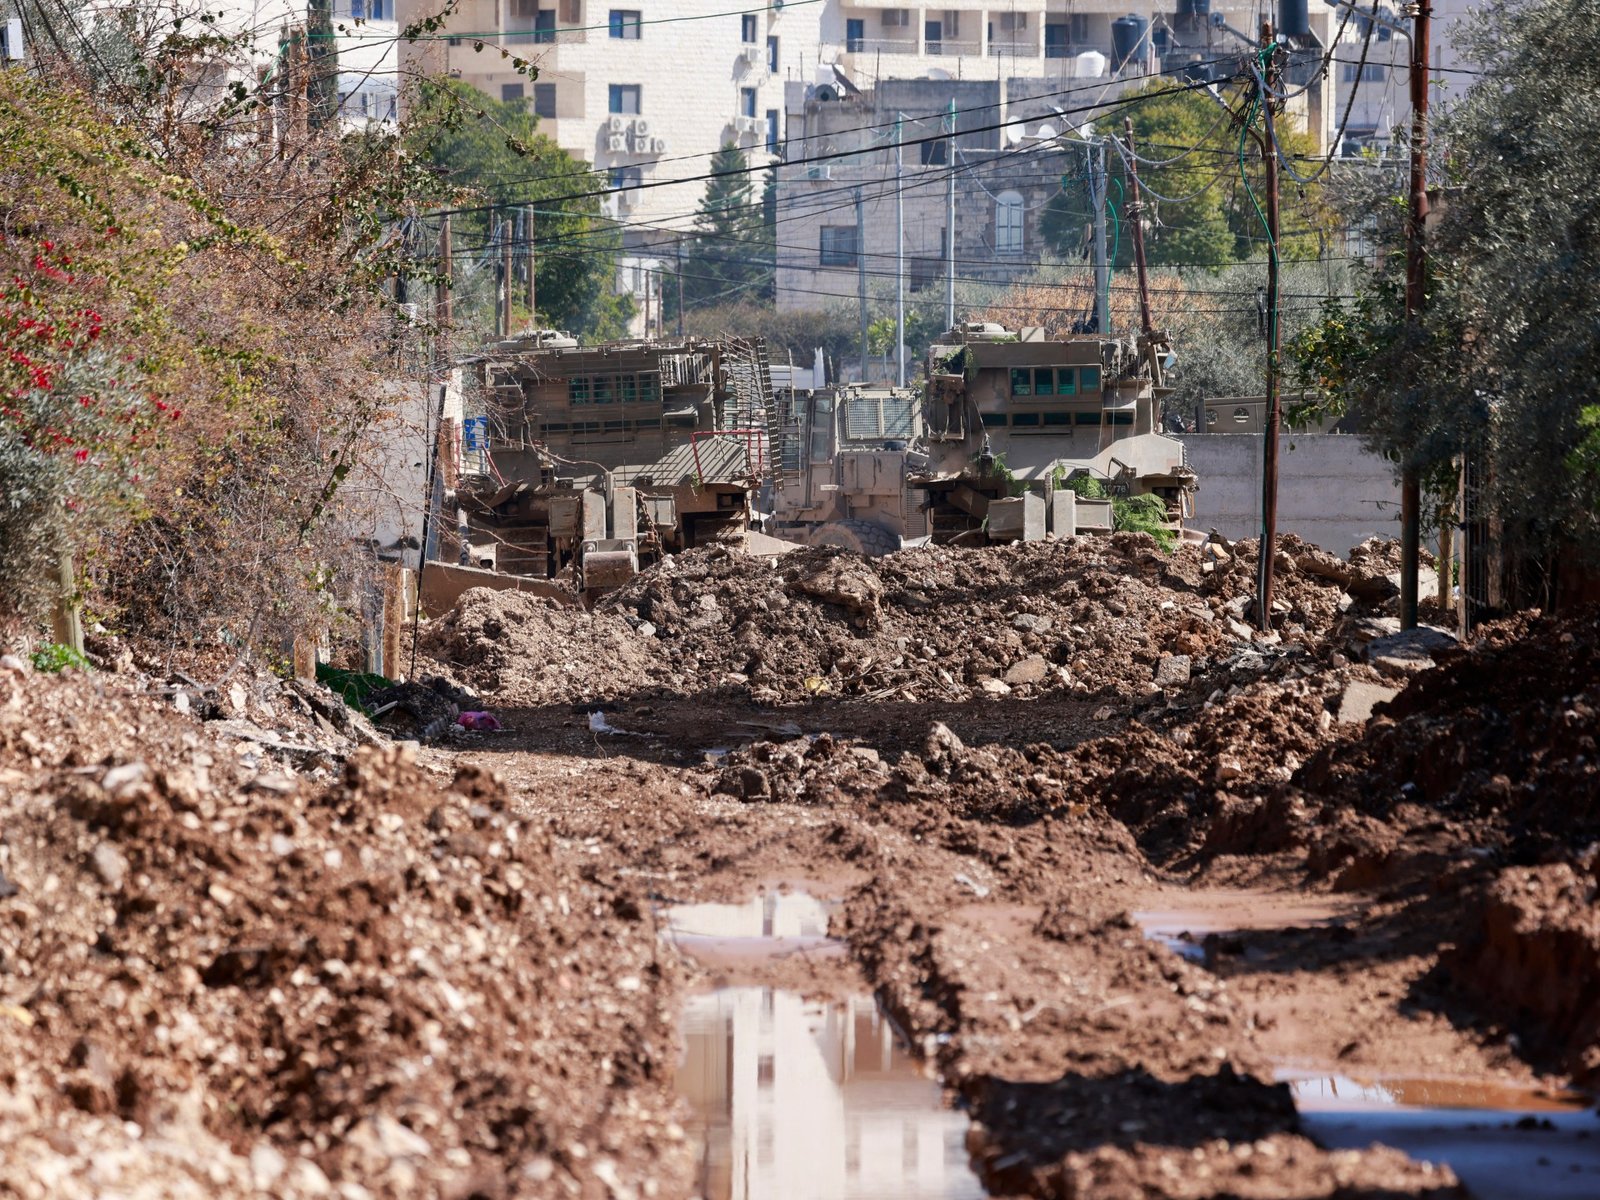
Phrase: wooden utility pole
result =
(1269, 458)
(1416, 297)
(505, 276)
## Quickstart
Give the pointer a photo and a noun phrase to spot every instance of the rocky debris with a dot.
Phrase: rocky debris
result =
(1360, 698)
(418, 711)
(220, 981)
(1406, 652)
(1085, 617)
(535, 651)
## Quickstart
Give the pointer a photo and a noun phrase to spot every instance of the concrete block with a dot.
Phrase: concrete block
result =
(1063, 513)
(594, 516)
(1094, 516)
(1017, 519)
(624, 514)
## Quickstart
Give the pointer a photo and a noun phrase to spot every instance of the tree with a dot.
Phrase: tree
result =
(489, 152)
(730, 259)
(1195, 211)
(1497, 368)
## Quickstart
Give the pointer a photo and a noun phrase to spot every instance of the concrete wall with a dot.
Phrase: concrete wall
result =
(1331, 491)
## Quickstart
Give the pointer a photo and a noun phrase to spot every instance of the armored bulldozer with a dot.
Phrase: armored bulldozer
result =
(586, 463)
(1011, 436)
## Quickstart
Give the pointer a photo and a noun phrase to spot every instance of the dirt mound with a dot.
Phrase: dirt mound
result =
(1087, 617)
(378, 983)
(1504, 737)
(1532, 958)
(530, 649)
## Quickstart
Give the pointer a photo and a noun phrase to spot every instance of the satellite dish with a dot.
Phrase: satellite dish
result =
(1013, 134)
(1046, 131)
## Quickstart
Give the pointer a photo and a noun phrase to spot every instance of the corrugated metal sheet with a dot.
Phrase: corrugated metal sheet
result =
(721, 459)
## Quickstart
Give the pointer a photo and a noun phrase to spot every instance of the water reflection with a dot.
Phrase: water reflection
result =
(770, 915)
(1326, 1093)
(814, 1100)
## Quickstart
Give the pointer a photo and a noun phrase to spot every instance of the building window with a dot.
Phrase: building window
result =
(747, 29)
(855, 35)
(1057, 40)
(933, 36)
(625, 24)
(772, 131)
(544, 100)
(772, 55)
(1008, 223)
(1369, 73)
(747, 102)
(372, 10)
(544, 25)
(935, 153)
(624, 99)
(839, 246)
(625, 177)
(510, 93)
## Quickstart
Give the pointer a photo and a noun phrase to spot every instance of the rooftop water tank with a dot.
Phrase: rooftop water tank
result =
(1127, 38)
(1294, 19)
(1091, 64)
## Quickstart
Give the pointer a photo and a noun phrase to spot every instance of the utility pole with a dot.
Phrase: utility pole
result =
(899, 254)
(442, 305)
(679, 245)
(533, 287)
(505, 277)
(861, 280)
(1136, 226)
(1269, 464)
(950, 221)
(1410, 476)
(1099, 187)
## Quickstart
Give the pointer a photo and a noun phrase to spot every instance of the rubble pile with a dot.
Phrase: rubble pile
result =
(530, 649)
(218, 978)
(1505, 735)
(1113, 618)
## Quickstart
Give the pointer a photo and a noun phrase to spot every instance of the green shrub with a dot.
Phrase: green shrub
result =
(1087, 487)
(57, 657)
(1143, 514)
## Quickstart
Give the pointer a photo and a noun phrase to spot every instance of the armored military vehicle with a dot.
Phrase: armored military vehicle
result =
(1011, 436)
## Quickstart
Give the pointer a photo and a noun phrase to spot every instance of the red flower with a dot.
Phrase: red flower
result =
(82, 456)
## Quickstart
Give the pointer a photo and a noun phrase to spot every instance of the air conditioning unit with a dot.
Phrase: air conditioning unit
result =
(896, 18)
(819, 172)
(752, 56)
(11, 40)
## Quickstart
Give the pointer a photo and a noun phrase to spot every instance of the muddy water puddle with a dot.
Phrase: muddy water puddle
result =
(1504, 1142)
(806, 1099)
(768, 925)
(796, 1096)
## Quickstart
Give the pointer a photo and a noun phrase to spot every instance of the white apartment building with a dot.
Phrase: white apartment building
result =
(646, 93)
(1381, 80)
(365, 38)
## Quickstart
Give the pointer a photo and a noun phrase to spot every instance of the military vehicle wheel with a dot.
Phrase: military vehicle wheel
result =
(865, 538)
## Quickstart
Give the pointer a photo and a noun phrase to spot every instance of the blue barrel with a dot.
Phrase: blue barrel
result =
(1194, 8)
(1294, 19)
(1127, 39)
